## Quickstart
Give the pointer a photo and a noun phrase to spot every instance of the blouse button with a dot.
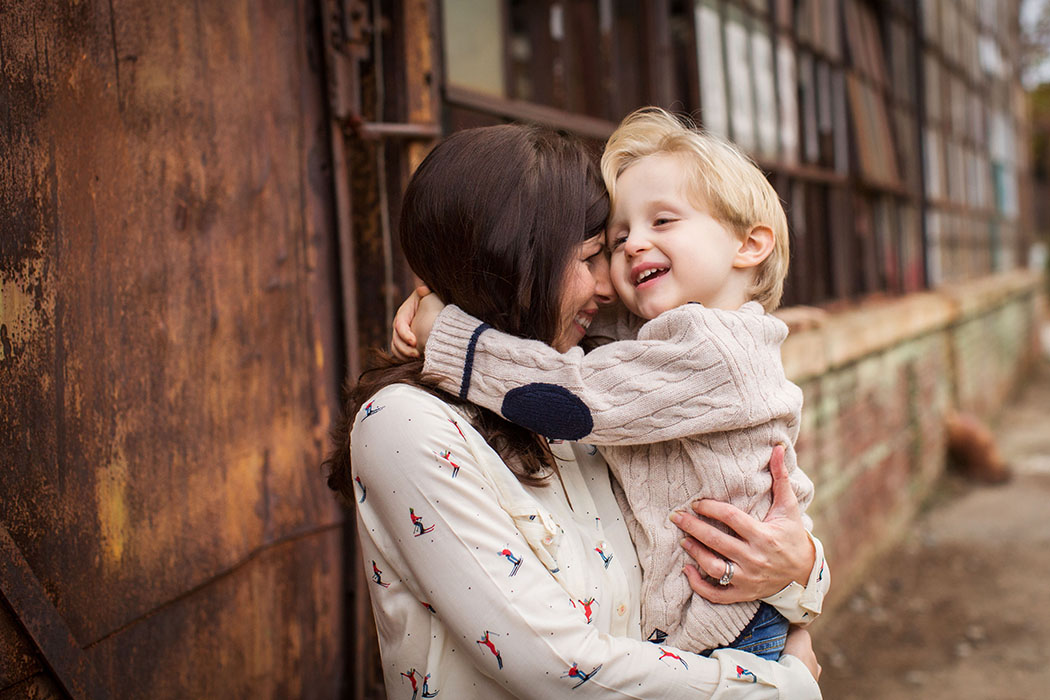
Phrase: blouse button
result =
(621, 610)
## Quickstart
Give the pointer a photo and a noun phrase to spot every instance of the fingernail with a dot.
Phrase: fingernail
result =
(677, 516)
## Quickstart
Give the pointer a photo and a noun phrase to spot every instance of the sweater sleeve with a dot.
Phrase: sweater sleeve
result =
(690, 371)
(437, 535)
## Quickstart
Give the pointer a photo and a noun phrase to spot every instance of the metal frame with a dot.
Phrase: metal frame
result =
(28, 600)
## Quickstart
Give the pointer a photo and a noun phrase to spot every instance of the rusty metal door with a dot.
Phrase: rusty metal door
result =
(170, 352)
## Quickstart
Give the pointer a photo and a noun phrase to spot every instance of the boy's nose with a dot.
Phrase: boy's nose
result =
(636, 242)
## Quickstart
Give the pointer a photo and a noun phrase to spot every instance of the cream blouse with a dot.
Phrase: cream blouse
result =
(485, 588)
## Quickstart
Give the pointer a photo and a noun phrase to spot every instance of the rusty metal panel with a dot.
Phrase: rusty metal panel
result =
(38, 687)
(27, 600)
(170, 357)
(256, 633)
(19, 659)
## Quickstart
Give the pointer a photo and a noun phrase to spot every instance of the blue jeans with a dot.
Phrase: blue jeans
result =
(764, 636)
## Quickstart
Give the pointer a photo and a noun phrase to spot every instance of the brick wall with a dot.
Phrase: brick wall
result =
(878, 381)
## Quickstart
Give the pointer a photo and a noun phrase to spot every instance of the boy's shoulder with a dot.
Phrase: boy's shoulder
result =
(749, 318)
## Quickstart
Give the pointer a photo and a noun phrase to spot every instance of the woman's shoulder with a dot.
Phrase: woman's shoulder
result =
(405, 420)
(402, 400)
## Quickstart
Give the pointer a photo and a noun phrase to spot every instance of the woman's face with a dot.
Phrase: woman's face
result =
(586, 286)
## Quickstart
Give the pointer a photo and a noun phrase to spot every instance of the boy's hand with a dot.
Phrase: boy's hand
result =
(427, 311)
(799, 644)
(403, 341)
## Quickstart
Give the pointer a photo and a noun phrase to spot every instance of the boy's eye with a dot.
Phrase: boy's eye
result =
(660, 221)
(616, 241)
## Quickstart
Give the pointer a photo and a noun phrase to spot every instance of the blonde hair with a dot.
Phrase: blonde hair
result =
(722, 178)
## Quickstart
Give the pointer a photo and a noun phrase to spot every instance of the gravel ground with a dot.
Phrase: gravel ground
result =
(961, 608)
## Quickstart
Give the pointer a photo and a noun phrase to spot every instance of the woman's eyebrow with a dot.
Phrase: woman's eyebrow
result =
(614, 221)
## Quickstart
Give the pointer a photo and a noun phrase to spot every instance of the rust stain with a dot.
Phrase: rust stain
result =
(111, 492)
(19, 317)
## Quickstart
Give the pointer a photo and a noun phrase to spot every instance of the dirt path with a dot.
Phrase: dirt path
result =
(961, 609)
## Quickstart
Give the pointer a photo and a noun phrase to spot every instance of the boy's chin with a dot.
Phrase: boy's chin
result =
(650, 311)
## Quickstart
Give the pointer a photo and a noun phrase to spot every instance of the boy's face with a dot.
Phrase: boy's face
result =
(665, 251)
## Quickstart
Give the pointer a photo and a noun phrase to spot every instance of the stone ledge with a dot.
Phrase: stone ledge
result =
(821, 341)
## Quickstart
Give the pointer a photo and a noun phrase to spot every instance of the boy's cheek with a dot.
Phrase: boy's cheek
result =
(618, 273)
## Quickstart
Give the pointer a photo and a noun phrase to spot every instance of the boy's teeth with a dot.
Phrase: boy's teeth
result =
(647, 274)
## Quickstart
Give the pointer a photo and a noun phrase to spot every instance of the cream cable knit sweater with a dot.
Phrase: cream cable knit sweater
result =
(690, 409)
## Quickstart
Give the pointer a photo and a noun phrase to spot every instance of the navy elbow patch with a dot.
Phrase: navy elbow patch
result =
(548, 409)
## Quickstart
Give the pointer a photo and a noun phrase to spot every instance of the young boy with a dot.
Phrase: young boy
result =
(694, 404)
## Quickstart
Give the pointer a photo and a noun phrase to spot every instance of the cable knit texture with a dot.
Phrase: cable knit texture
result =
(691, 408)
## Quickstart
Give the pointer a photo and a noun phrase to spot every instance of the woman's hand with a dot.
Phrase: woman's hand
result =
(403, 341)
(800, 644)
(766, 555)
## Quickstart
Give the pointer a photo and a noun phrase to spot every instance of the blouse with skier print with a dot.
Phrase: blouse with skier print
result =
(483, 587)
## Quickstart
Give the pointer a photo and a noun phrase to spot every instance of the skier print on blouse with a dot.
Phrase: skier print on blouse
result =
(377, 575)
(657, 636)
(427, 692)
(744, 674)
(587, 604)
(575, 672)
(357, 480)
(411, 676)
(453, 422)
(371, 410)
(664, 654)
(515, 561)
(417, 523)
(601, 553)
(487, 642)
(447, 456)
(429, 607)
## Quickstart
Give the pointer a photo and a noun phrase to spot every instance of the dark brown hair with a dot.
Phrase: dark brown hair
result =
(490, 221)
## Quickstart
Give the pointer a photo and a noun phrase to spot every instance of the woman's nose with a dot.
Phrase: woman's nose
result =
(604, 292)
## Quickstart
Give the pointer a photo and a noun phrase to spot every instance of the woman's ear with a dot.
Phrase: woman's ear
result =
(754, 248)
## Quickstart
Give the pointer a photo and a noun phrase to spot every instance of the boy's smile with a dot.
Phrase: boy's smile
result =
(665, 250)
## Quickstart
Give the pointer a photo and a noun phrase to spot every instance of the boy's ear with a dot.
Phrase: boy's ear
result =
(755, 247)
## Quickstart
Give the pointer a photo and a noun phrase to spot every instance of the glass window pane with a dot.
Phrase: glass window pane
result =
(807, 91)
(474, 53)
(765, 92)
(738, 70)
(787, 90)
(714, 112)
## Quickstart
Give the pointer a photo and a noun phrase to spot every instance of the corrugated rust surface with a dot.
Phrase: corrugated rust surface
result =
(169, 344)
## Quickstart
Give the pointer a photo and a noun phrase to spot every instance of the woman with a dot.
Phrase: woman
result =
(500, 565)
